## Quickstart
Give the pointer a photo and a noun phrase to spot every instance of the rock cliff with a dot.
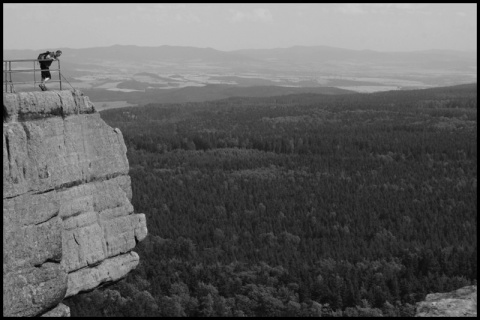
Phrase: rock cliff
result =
(68, 224)
(458, 303)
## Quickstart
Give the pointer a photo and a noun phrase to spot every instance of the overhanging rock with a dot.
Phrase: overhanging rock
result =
(68, 223)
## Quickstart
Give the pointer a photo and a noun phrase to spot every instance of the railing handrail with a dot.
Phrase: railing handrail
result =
(7, 72)
(28, 70)
(24, 60)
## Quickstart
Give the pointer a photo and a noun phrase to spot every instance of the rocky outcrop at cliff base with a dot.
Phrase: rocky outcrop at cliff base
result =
(458, 303)
(68, 223)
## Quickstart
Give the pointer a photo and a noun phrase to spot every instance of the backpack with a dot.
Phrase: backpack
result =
(42, 56)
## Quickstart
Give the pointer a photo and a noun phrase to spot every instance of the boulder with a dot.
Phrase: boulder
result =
(458, 303)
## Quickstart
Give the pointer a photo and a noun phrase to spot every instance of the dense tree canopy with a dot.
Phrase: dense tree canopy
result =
(301, 205)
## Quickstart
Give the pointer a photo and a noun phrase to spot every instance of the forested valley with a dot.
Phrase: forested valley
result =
(299, 205)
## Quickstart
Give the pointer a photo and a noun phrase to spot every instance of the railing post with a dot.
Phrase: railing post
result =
(10, 73)
(59, 74)
(5, 71)
(8, 78)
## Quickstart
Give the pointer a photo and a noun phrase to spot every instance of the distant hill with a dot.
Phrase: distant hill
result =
(460, 96)
(258, 58)
(131, 53)
(324, 54)
(206, 93)
(129, 67)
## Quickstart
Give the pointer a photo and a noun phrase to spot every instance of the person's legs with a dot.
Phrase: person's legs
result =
(42, 85)
(45, 77)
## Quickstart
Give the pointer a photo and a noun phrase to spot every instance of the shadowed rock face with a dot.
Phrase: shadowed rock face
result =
(68, 224)
(458, 303)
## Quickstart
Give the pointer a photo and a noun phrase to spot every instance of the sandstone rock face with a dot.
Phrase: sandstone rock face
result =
(59, 311)
(68, 224)
(458, 303)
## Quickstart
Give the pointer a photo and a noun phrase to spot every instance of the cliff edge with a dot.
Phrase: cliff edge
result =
(68, 223)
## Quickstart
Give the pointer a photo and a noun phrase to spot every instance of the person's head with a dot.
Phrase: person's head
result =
(58, 53)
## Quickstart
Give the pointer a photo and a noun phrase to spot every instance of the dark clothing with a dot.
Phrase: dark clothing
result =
(46, 65)
(46, 73)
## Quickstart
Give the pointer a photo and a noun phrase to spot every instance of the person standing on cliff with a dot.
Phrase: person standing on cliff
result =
(45, 65)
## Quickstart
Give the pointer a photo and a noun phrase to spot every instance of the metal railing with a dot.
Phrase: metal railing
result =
(8, 71)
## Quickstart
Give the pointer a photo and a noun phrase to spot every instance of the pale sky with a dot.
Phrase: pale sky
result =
(381, 27)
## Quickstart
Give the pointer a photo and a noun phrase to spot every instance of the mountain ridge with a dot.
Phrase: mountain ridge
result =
(116, 68)
(182, 52)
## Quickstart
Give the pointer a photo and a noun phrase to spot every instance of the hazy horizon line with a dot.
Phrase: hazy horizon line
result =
(274, 48)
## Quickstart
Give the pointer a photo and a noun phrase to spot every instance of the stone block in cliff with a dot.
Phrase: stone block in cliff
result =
(107, 271)
(458, 303)
(69, 225)
(55, 149)
(98, 222)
